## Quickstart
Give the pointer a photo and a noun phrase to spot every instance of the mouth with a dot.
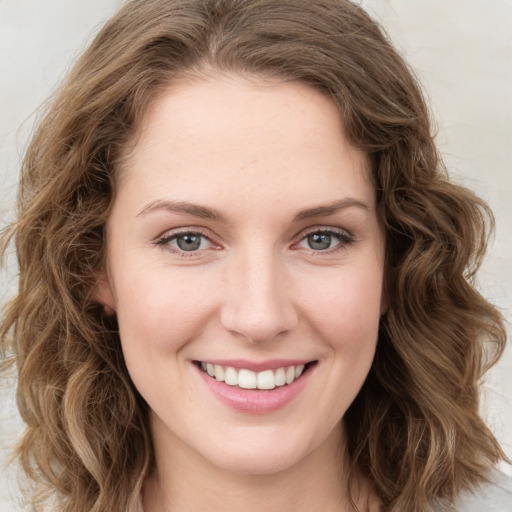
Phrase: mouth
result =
(265, 380)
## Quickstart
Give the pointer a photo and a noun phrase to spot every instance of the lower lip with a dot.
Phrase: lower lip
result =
(256, 401)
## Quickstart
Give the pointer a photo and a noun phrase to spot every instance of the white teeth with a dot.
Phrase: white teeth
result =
(231, 376)
(266, 380)
(280, 377)
(290, 375)
(219, 372)
(247, 379)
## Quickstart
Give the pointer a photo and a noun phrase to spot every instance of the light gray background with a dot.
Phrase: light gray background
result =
(461, 51)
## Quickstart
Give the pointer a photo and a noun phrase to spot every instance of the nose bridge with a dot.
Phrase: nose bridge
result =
(258, 305)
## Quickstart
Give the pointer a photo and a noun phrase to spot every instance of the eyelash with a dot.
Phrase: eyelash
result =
(165, 240)
(344, 239)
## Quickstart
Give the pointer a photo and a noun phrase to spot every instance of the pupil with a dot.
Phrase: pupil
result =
(319, 241)
(189, 242)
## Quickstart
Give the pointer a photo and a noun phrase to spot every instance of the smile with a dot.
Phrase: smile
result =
(256, 388)
(247, 379)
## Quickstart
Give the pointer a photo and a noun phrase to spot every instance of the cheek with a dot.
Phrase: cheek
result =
(346, 307)
(344, 313)
(159, 315)
(159, 311)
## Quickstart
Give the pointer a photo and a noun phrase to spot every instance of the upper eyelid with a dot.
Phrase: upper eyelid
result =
(332, 229)
(170, 233)
(322, 229)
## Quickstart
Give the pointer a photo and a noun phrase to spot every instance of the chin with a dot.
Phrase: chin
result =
(261, 463)
(265, 453)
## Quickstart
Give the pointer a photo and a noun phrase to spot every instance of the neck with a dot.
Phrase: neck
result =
(183, 481)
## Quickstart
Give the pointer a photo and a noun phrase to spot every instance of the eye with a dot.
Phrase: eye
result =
(325, 239)
(186, 242)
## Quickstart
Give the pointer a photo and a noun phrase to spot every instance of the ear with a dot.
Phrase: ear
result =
(103, 292)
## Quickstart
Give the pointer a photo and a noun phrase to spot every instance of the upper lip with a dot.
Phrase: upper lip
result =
(257, 366)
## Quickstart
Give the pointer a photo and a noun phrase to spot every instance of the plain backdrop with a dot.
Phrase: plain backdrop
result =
(461, 51)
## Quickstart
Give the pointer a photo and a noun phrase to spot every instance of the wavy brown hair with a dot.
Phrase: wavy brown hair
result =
(414, 429)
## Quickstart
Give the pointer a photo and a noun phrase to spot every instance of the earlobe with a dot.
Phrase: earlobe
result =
(103, 293)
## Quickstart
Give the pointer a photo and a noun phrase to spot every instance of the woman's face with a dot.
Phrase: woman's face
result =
(244, 242)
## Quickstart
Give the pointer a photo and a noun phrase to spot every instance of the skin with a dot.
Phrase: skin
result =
(257, 153)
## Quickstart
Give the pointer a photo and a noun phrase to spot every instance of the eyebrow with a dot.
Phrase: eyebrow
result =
(183, 207)
(205, 212)
(329, 209)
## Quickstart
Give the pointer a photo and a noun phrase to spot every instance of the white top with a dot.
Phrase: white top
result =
(495, 496)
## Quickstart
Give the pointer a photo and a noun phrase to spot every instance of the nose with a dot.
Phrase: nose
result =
(258, 305)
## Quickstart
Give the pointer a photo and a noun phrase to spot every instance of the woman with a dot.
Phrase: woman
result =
(245, 279)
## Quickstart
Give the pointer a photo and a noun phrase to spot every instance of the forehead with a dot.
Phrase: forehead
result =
(229, 132)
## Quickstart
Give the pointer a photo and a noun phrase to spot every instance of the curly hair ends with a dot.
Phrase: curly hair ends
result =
(414, 428)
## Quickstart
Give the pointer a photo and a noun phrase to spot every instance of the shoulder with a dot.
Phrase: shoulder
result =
(494, 496)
